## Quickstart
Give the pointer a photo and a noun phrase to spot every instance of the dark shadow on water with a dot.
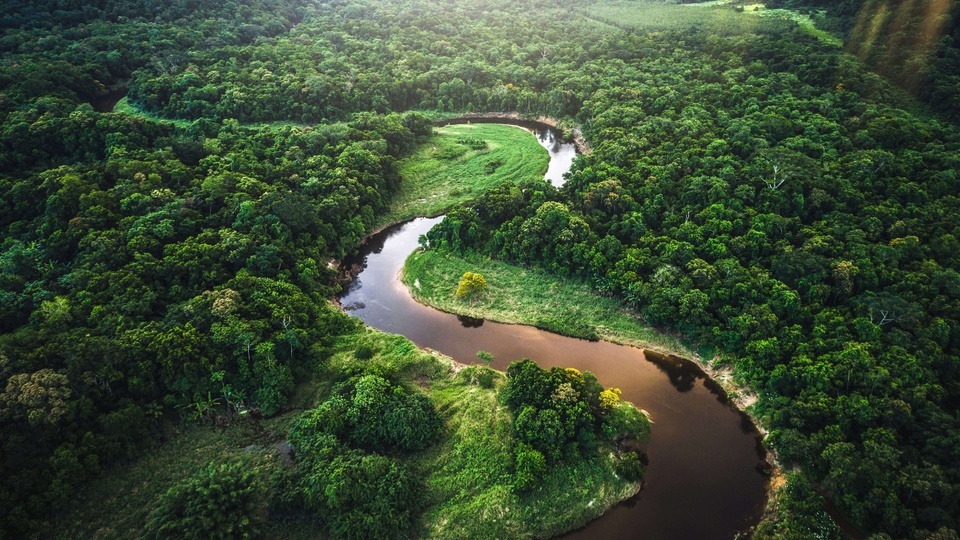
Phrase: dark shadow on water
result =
(715, 389)
(469, 322)
(683, 375)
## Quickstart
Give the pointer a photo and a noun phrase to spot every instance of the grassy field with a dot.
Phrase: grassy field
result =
(719, 16)
(656, 16)
(466, 475)
(461, 161)
(525, 296)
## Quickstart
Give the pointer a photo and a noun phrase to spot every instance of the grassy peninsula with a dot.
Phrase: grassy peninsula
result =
(459, 162)
(530, 296)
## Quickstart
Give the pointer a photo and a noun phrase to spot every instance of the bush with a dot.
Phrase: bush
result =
(625, 422)
(382, 416)
(531, 467)
(226, 500)
(485, 377)
(364, 351)
(629, 467)
(471, 285)
(360, 495)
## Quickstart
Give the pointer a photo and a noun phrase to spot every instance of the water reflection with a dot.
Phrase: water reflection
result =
(561, 153)
(682, 375)
(469, 322)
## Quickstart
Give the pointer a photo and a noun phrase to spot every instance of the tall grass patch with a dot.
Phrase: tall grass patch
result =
(529, 296)
(462, 161)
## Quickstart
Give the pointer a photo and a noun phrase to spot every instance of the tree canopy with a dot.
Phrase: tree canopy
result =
(751, 187)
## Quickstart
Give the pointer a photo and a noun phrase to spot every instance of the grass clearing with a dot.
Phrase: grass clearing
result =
(462, 161)
(724, 17)
(654, 16)
(124, 106)
(529, 296)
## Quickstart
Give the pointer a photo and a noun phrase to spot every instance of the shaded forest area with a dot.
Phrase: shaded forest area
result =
(752, 188)
(915, 43)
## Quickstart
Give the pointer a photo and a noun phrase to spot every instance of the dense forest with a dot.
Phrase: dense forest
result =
(759, 191)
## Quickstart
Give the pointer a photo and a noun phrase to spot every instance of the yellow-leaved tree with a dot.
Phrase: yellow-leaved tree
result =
(472, 284)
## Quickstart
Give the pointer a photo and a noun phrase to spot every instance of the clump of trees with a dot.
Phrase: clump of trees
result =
(222, 500)
(561, 414)
(345, 476)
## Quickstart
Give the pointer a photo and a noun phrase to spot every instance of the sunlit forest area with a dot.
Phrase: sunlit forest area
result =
(777, 184)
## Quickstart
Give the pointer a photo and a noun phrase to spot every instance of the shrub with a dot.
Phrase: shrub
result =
(531, 467)
(485, 377)
(226, 500)
(360, 495)
(383, 416)
(471, 285)
(629, 466)
(364, 351)
(625, 422)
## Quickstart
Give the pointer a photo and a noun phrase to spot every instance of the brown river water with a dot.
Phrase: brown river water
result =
(705, 477)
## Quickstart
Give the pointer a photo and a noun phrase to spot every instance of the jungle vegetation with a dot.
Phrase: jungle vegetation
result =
(754, 188)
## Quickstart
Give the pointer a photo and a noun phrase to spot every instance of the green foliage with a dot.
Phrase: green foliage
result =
(225, 500)
(624, 421)
(383, 416)
(360, 495)
(357, 493)
(630, 467)
(778, 200)
(364, 351)
(485, 357)
(485, 377)
(371, 413)
(800, 513)
(558, 415)
(530, 467)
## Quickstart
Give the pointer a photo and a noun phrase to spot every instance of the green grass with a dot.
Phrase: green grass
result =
(444, 171)
(718, 16)
(804, 20)
(466, 476)
(125, 107)
(525, 296)
(655, 16)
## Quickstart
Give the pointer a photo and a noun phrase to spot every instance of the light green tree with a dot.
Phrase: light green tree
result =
(472, 284)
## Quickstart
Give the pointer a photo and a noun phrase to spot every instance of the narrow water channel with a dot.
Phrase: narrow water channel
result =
(561, 154)
(704, 479)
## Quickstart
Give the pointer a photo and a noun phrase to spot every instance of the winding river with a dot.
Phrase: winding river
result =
(705, 475)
